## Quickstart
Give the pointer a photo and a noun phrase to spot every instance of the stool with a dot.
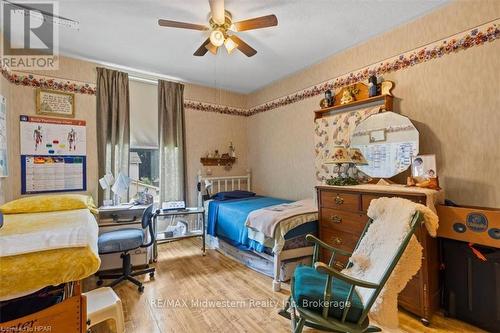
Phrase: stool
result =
(103, 304)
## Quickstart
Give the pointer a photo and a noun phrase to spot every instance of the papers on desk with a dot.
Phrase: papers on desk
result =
(117, 207)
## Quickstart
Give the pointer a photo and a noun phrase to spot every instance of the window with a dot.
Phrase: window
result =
(145, 172)
(144, 169)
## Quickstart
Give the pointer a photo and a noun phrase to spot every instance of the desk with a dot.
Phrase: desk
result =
(122, 217)
(166, 236)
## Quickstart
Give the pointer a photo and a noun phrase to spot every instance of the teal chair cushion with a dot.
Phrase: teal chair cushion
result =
(308, 289)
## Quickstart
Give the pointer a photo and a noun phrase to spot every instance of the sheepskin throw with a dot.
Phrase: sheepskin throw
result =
(375, 253)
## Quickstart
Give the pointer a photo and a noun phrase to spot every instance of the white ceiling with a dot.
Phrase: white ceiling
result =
(126, 33)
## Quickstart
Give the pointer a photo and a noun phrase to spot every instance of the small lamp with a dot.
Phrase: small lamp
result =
(357, 156)
(208, 185)
(342, 155)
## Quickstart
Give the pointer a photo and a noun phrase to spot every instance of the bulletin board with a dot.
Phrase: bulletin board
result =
(53, 155)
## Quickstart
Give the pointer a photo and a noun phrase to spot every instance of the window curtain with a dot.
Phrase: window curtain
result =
(113, 125)
(171, 137)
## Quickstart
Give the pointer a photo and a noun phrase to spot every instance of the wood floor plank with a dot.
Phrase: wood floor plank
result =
(192, 293)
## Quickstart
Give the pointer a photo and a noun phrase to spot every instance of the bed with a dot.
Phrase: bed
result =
(43, 257)
(276, 254)
(44, 249)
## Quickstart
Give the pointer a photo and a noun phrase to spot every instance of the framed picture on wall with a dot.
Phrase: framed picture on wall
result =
(55, 103)
(424, 167)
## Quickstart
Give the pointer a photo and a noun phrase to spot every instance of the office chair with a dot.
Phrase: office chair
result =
(125, 240)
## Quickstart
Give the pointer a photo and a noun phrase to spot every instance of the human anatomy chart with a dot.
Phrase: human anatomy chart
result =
(53, 154)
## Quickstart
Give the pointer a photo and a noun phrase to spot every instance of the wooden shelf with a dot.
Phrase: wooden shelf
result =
(387, 101)
(222, 161)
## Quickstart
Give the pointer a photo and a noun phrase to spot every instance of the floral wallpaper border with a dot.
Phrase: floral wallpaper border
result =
(478, 36)
(39, 81)
(209, 107)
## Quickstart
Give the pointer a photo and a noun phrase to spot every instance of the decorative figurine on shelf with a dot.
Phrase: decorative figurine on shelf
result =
(372, 86)
(386, 87)
(232, 151)
(216, 153)
(347, 97)
(328, 101)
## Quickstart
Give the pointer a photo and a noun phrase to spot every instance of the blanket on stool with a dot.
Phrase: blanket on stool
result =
(391, 223)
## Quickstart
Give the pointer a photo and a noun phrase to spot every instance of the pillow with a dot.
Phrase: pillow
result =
(238, 194)
(48, 203)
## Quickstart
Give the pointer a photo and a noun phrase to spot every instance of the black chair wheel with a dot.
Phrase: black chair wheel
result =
(425, 322)
(141, 289)
(152, 275)
(99, 282)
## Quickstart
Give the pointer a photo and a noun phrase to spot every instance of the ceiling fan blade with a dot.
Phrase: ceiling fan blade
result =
(182, 25)
(202, 50)
(243, 47)
(218, 12)
(212, 48)
(256, 23)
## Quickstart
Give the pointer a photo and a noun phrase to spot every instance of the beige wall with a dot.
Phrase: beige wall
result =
(204, 131)
(453, 101)
(5, 182)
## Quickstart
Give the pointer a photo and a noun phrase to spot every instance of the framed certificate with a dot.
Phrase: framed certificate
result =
(55, 103)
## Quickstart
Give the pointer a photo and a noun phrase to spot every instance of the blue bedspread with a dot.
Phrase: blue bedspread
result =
(226, 220)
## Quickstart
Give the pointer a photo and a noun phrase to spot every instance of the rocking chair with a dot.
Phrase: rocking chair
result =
(324, 298)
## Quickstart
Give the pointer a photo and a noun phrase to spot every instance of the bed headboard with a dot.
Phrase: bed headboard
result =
(222, 184)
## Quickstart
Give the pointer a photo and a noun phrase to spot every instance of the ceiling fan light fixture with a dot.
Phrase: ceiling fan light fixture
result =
(212, 48)
(217, 37)
(230, 45)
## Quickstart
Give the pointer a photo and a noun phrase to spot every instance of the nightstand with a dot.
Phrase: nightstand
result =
(176, 228)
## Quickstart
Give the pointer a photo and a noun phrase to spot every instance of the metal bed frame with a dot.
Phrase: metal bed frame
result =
(231, 183)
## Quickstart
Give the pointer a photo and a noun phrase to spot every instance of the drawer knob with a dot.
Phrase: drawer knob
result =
(337, 240)
(336, 219)
(339, 265)
(339, 200)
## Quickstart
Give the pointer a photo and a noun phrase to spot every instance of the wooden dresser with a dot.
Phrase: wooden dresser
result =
(342, 216)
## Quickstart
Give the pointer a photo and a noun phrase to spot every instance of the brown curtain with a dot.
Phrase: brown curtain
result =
(113, 126)
(171, 138)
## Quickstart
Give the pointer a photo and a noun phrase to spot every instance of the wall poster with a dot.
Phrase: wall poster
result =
(53, 155)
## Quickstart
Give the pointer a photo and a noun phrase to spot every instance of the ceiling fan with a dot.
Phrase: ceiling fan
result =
(222, 27)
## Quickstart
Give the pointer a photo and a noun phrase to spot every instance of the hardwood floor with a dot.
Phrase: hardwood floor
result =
(241, 299)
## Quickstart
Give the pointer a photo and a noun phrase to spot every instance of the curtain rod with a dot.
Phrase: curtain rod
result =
(142, 79)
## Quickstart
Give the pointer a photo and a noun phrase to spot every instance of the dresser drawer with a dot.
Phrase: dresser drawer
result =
(120, 216)
(343, 221)
(367, 198)
(339, 200)
(340, 239)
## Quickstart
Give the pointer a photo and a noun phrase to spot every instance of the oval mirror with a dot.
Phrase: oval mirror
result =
(388, 142)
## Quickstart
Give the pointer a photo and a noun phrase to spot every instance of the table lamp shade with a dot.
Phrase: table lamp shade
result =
(357, 156)
(339, 155)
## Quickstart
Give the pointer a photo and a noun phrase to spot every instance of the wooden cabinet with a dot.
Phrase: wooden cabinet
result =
(342, 216)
